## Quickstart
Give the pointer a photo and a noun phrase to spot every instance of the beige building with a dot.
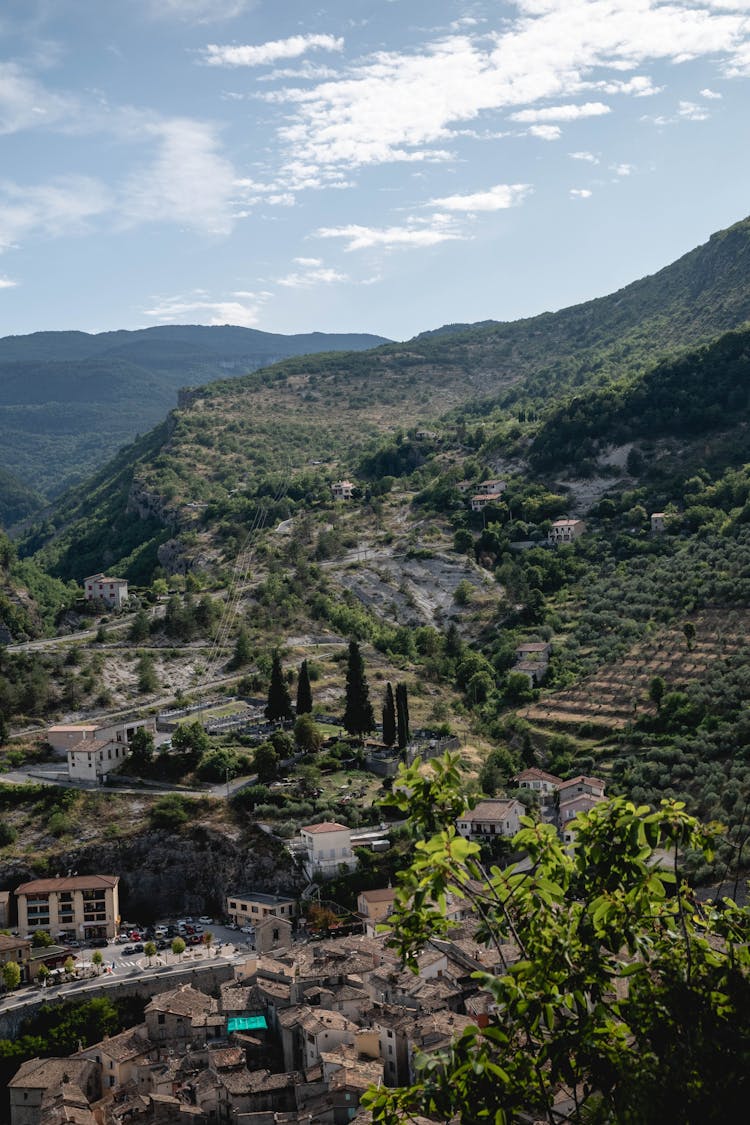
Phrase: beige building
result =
(93, 759)
(18, 950)
(492, 817)
(120, 1057)
(87, 905)
(374, 907)
(4, 909)
(565, 531)
(658, 521)
(112, 591)
(482, 499)
(326, 848)
(249, 907)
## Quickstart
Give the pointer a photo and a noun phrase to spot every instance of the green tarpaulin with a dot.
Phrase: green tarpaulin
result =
(247, 1023)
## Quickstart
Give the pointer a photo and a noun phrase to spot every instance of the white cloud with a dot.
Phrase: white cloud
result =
(7, 283)
(711, 94)
(639, 86)
(396, 104)
(311, 277)
(545, 132)
(365, 238)
(494, 199)
(194, 308)
(189, 181)
(200, 11)
(561, 112)
(27, 104)
(692, 112)
(580, 193)
(62, 207)
(310, 262)
(622, 169)
(587, 156)
(263, 53)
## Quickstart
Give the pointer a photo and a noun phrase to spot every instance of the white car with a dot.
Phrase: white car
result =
(205, 920)
(248, 930)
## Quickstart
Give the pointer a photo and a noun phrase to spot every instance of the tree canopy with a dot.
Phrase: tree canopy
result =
(617, 991)
(359, 717)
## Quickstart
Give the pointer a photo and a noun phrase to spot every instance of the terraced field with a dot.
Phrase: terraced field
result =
(611, 698)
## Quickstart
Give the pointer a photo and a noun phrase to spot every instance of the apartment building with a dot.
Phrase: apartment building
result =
(87, 905)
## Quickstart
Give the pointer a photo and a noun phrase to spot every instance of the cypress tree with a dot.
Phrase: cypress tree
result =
(243, 652)
(304, 691)
(358, 716)
(389, 717)
(279, 704)
(402, 716)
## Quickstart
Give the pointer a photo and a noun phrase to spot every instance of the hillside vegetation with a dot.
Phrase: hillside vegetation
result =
(68, 400)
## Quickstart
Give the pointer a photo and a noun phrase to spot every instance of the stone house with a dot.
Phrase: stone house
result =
(94, 759)
(342, 490)
(39, 1081)
(183, 1016)
(565, 531)
(491, 818)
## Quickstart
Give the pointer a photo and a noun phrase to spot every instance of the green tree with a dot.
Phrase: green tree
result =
(140, 628)
(69, 966)
(150, 950)
(243, 650)
(11, 975)
(178, 946)
(208, 940)
(304, 691)
(656, 688)
(142, 749)
(279, 705)
(307, 734)
(689, 630)
(147, 679)
(615, 983)
(97, 960)
(358, 715)
(191, 737)
(266, 762)
(42, 975)
(402, 716)
(389, 716)
(41, 940)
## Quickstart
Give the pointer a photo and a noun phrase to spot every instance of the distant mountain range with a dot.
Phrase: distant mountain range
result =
(69, 400)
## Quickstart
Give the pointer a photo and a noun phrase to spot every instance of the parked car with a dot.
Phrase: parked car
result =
(189, 929)
(195, 939)
(232, 926)
(122, 939)
(128, 950)
(205, 920)
(99, 943)
(162, 943)
(248, 930)
(138, 947)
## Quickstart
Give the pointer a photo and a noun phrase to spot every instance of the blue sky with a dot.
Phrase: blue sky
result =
(360, 165)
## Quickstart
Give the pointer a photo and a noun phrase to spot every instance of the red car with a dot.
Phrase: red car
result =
(135, 935)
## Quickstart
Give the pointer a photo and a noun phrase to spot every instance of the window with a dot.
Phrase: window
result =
(160, 1018)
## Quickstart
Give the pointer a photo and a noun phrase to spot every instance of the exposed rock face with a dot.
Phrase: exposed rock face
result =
(149, 504)
(164, 874)
(178, 558)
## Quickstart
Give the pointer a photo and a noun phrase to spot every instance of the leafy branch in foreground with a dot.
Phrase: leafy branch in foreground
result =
(621, 997)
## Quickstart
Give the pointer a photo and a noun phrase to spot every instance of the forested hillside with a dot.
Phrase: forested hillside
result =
(226, 439)
(69, 400)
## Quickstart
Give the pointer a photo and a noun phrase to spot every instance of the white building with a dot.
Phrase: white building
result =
(565, 531)
(326, 848)
(658, 521)
(342, 490)
(492, 817)
(112, 591)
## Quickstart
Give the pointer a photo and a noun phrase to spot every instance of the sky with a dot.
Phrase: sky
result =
(382, 166)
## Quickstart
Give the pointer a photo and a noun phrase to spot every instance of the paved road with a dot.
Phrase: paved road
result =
(227, 949)
(50, 773)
